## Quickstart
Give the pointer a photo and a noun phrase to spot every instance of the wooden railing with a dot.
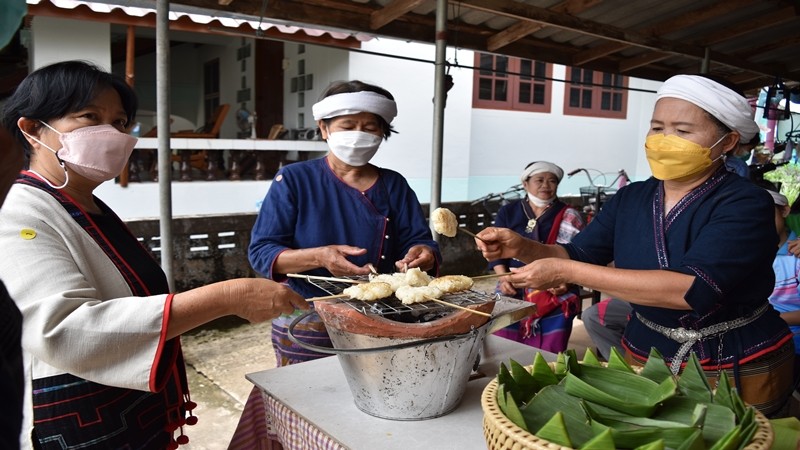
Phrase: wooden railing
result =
(207, 159)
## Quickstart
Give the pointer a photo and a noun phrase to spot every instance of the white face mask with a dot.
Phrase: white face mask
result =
(354, 148)
(539, 203)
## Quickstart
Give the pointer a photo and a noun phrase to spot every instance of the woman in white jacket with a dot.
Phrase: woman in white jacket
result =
(100, 328)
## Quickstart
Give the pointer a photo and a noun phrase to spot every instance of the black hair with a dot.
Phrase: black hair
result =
(56, 90)
(343, 87)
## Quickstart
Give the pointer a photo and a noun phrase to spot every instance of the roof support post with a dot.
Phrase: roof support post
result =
(164, 151)
(438, 107)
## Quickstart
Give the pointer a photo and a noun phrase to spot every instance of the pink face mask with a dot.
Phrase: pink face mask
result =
(97, 153)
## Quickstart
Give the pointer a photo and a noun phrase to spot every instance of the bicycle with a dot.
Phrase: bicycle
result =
(503, 198)
(595, 195)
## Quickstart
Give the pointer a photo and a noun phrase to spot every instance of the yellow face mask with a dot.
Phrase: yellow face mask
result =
(672, 157)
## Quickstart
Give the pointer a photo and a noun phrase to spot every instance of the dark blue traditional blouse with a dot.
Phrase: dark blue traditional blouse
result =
(308, 206)
(722, 233)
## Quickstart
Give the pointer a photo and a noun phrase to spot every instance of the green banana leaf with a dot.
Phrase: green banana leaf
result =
(552, 399)
(542, 372)
(617, 361)
(786, 433)
(655, 368)
(693, 382)
(604, 441)
(590, 358)
(509, 408)
(526, 383)
(625, 392)
(555, 431)
(655, 445)
(716, 420)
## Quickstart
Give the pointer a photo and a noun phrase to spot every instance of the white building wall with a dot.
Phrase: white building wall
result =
(484, 150)
(411, 83)
(504, 142)
(56, 39)
(325, 65)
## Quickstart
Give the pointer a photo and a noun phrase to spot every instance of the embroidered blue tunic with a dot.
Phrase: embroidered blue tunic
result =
(309, 206)
(723, 234)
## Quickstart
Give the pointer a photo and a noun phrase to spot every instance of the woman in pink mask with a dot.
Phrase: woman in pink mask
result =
(101, 331)
(692, 249)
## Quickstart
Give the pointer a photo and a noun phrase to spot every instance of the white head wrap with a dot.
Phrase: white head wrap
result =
(726, 105)
(354, 103)
(778, 198)
(540, 167)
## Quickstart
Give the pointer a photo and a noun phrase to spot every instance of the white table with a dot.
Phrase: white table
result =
(316, 394)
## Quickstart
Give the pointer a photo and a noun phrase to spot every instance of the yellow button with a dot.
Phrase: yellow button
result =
(27, 234)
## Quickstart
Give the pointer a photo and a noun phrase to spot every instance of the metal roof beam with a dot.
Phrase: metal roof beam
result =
(520, 11)
(523, 28)
(392, 11)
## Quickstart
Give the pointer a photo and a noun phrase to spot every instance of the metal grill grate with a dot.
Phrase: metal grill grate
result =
(393, 306)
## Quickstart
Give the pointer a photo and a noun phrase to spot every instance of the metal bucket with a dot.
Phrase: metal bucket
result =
(404, 379)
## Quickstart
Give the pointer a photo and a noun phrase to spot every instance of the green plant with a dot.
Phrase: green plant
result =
(789, 177)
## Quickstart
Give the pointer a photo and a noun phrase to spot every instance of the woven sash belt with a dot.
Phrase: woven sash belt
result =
(687, 338)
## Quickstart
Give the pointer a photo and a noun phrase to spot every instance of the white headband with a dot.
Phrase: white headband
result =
(540, 167)
(726, 105)
(354, 103)
(778, 198)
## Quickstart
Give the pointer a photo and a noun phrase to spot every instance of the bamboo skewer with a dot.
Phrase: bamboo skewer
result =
(327, 297)
(314, 277)
(453, 305)
(470, 233)
(491, 275)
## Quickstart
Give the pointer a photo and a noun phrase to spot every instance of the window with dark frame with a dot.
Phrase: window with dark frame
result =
(596, 94)
(502, 82)
(211, 93)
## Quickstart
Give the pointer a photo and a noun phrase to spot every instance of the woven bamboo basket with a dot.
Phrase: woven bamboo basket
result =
(503, 434)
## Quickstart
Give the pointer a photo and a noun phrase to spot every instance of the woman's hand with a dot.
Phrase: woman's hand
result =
(503, 285)
(334, 258)
(258, 299)
(253, 299)
(420, 256)
(794, 247)
(542, 274)
(561, 289)
(500, 243)
(506, 288)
